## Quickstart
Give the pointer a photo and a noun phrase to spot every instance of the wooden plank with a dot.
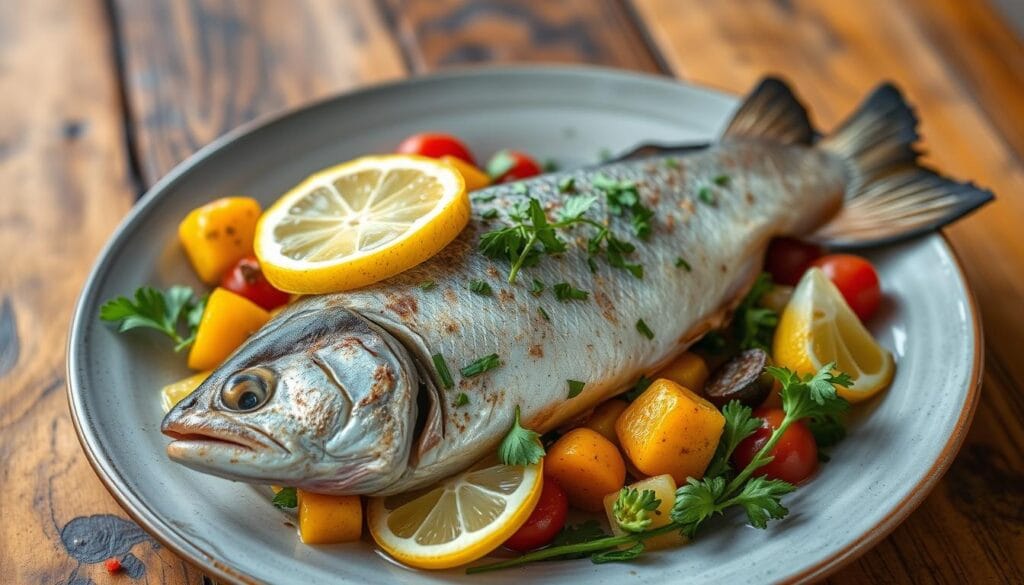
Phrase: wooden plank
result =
(458, 32)
(959, 69)
(63, 160)
(194, 70)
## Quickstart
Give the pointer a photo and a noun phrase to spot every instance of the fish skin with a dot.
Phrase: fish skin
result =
(772, 190)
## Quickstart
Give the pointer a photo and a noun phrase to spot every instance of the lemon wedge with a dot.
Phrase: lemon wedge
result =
(458, 520)
(360, 222)
(818, 327)
(175, 392)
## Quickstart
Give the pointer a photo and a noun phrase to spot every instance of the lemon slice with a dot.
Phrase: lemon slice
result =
(818, 327)
(360, 222)
(458, 520)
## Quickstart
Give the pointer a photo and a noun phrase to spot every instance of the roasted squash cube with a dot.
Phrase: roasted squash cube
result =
(327, 519)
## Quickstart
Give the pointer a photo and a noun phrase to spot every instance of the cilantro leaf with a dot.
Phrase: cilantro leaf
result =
(575, 388)
(696, 502)
(286, 498)
(520, 446)
(167, 311)
(827, 429)
(739, 424)
(575, 206)
(761, 499)
(813, 395)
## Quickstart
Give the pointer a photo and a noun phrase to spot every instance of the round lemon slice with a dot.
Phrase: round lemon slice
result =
(458, 520)
(818, 327)
(360, 222)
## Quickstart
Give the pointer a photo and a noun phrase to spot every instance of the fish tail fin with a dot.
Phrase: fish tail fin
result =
(772, 113)
(890, 195)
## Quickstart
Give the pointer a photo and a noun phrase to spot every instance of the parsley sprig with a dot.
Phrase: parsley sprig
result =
(520, 446)
(532, 235)
(169, 312)
(803, 397)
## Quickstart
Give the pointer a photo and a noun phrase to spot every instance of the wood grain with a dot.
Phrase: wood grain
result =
(194, 70)
(64, 167)
(963, 72)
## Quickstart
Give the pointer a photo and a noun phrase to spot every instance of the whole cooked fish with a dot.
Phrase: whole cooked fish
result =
(341, 393)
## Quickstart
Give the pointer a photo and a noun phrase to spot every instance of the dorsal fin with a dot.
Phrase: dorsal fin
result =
(771, 113)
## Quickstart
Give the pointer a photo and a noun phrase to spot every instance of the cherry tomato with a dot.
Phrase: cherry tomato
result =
(788, 259)
(545, 522)
(435, 145)
(512, 165)
(796, 453)
(246, 279)
(856, 278)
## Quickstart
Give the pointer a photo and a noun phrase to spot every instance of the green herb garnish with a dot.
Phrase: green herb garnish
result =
(501, 163)
(567, 185)
(536, 287)
(705, 196)
(682, 263)
(644, 329)
(489, 214)
(520, 446)
(482, 197)
(286, 498)
(543, 313)
(623, 197)
(480, 287)
(566, 292)
(442, 371)
(721, 180)
(632, 509)
(427, 285)
(461, 400)
(575, 387)
(481, 365)
(549, 166)
(672, 163)
(169, 312)
(754, 325)
(638, 388)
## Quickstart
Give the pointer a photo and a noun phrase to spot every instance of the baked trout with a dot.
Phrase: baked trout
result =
(347, 394)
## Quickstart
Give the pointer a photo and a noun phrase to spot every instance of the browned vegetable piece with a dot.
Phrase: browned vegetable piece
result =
(741, 378)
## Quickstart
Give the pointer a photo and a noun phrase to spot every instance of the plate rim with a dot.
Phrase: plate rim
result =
(139, 513)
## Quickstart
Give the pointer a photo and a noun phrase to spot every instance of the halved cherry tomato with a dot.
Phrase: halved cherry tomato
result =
(795, 454)
(246, 279)
(856, 278)
(435, 145)
(512, 165)
(545, 522)
(787, 259)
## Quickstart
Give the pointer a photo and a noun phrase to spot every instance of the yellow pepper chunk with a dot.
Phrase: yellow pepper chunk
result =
(689, 370)
(669, 429)
(604, 417)
(218, 234)
(174, 392)
(474, 178)
(227, 321)
(329, 519)
(664, 488)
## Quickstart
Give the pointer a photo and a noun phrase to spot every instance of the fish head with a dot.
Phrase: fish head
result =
(319, 399)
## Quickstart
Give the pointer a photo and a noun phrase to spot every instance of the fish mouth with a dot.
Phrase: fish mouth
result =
(190, 439)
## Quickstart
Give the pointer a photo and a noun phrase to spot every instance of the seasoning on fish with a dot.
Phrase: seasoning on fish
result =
(347, 391)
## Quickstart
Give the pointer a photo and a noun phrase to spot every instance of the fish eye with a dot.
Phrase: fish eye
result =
(245, 392)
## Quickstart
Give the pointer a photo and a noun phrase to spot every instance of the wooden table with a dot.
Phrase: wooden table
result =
(101, 98)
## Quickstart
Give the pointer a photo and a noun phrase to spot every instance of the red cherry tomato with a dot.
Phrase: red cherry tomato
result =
(545, 522)
(788, 259)
(795, 454)
(512, 165)
(856, 278)
(435, 145)
(246, 279)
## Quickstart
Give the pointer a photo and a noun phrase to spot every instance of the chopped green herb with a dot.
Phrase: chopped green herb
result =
(721, 180)
(427, 285)
(644, 329)
(566, 292)
(501, 163)
(672, 163)
(543, 313)
(713, 342)
(754, 325)
(461, 400)
(623, 197)
(536, 287)
(575, 387)
(286, 498)
(642, 384)
(591, 264)
(442, 371)
(482, 197)
(567, 185)
(480, 287)
(520, 446)
(479, 366)
(706, 196)
(491, 213)
(520, 189)
(682, 263)
(164, 311)
(549, 166)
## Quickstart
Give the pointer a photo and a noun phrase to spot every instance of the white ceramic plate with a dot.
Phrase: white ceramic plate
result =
(897, 448)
